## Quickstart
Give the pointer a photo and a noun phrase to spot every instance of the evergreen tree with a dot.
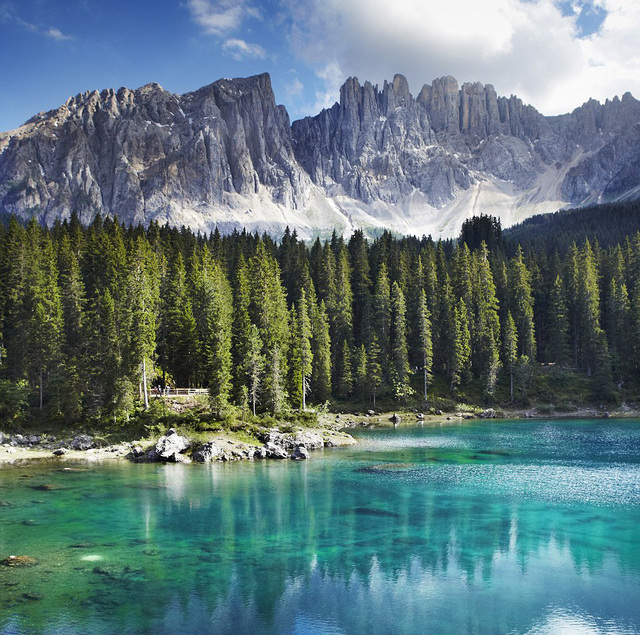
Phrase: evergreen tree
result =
(461, 346)
(360, 371)
(269, 313)
(254, 367)
(360, 283)
(399, 352)
(521, 304)
(510, 347)
(321, 373)
(344, 380)
(143, 294)
(589, 308)
(374, 368)
(242, 328)
(72, 296)
(302, 354)
(558, 320)
(617, 321)
(486, 348)
(424, 339)
(381, 317)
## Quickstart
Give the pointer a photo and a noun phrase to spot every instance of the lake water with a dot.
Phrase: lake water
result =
(484, 527)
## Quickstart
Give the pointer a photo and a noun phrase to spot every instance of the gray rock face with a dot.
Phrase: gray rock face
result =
(226, 154)
(151, 155)
(384, 145)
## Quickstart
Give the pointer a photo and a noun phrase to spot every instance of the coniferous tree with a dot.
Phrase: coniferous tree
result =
(558, 321)
(360, 371)
(321, 372)
(343, 323)
(521, 305)
(241, 328)
(461, 346)
(302, 354)
(360, 284)
(143, 296)
(381, 314)
(487, 324)
(617, 320)
(254, 367)
(589, 308)
(374, 368)
(510, 347)
(72, 296)
(344, 380)
(399, 353)
(269, 313)
(425, 342)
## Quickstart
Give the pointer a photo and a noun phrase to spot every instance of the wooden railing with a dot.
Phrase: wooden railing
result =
(179, 392)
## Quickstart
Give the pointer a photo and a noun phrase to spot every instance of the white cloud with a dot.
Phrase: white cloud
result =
(524, 47)
(240, 49)
(294, 88)
(217, 17)
(56, 34)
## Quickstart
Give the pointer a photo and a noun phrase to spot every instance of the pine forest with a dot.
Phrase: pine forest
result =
(96, 320)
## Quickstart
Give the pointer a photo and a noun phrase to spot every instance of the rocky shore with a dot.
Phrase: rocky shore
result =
(270, 443)
(174, 447)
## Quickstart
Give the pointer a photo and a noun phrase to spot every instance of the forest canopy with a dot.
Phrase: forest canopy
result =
(93, 318)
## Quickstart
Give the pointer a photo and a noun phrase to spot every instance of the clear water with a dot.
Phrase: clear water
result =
(488, 527)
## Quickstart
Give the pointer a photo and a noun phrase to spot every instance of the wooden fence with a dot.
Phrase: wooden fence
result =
(178, 392)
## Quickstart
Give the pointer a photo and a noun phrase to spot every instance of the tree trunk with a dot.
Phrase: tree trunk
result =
(424, 368)
(144, 383)
(512, 382)
(41, 389)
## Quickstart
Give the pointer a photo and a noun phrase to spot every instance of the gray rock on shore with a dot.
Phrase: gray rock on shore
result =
(300, 453)
(169, 448)
(207, 452)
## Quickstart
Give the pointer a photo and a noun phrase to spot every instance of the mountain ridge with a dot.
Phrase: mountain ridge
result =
(227, 155)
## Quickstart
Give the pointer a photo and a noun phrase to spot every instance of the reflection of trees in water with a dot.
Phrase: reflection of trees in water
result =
(244, 544)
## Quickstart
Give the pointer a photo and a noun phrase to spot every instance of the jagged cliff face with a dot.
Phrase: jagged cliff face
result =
(464, 150)
(220, 155)
(227, 155)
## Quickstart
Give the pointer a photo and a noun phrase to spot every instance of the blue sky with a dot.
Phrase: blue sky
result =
(554, 54)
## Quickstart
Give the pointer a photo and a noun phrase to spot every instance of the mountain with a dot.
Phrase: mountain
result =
(227, 155)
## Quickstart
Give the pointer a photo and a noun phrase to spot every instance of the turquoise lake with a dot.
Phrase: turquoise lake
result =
(501, 527)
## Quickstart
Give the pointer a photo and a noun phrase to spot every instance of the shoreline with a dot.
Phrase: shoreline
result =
(333, 432)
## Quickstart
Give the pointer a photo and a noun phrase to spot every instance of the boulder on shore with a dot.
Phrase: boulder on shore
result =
(275, 451)
(300, 453)
(169, 448)
(82, 442)
(207, 452)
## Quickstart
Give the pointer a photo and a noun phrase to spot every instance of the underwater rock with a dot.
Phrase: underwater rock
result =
(19, 561)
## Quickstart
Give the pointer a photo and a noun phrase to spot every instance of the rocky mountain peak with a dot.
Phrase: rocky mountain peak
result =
(227, 154)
